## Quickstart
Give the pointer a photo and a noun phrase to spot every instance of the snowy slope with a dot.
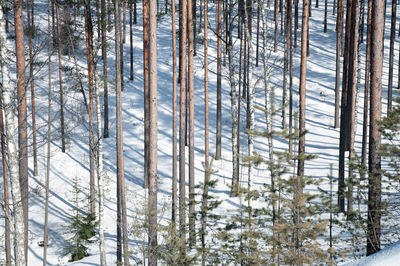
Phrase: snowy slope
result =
(321, 140)
(389, 256)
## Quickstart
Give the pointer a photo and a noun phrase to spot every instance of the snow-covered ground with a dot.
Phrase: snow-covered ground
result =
(322, 139)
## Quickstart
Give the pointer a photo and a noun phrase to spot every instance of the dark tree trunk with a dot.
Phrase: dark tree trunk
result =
(391, 54)
(104, 55)
(146, 89)
(374, 168)
(219, 83)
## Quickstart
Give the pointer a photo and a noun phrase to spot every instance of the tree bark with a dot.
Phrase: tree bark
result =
(32, 83)
(339, 30)
(22, 116)
(219, 83)
(146, 90)
(192, 227)
(104, 55)
(182, 114)
(174, 117)
(19, 225)
(391, 55)
(153, 254)
(89, 48)
(374, 168)
(59, 49)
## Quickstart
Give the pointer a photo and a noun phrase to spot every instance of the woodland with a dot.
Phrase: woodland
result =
(199, 132)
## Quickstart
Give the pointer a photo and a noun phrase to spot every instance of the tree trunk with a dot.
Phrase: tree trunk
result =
(182, 115)
(174, 117)
(19, 225)
(298, 189)
(104, 55)
(391, 55)
(22, 116)
(31, 78)
(192, 228)
(7, 217)
(276, 26)
(289, 41)
(121, 218)
(219, 83)
(89, 48)
(374, 169)
(153, 254)
(339, 30)
(131, 40)
(48, 157)
(59, 49)
(366, 90)
(146, 90)
(204, 202)
(325, 16)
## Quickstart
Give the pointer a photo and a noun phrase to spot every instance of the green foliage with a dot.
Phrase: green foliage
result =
(82, 226)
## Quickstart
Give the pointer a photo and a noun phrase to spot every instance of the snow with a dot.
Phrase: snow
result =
(389, 256)
(322, 139)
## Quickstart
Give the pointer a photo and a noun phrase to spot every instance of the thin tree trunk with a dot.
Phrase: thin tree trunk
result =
(104, 55)
(192, 228)
(296, 21)
(131, 40)
(366, 90)
(22, 116)
(276, 26)
(19, 225)
(204, 202)
(174, 117)
(182, 115)
(100, 174)
(374, 169)
(122, 219)
(31, 78)
(89, 48)
(124, 21)
(339, 30)
(258, 34)
(7, 217)
(48, 157)
(391, 54)
(290, 44)
(298, 189)
(325, 16)
(146, 90)
(219, 84)
(59, 48)
(153, 254)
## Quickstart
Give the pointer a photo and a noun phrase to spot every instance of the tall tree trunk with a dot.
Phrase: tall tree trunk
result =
(298, 188)
(391, 54)
(146, 90)
(48, 157)
(104, 55)
(22, 116)
(192, 227)
(174, 124)
(296, 21)
(153, 255)
(366, 90)
(325, 16)
(290, 44)
(344, 116)
(339, 30)
(251, 91)
(219, 84)
(374, 169)
(207, 172)
(276, 26)
(131, 40)
(31, 78)
(121, 206)
(89, 49)
(7, 217)
(351, 99)
(258, 33)
(59, 49)
(100, 174)
(182, 115)
(19, 225)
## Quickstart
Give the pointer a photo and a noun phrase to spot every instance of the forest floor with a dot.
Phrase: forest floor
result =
(322, 138)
